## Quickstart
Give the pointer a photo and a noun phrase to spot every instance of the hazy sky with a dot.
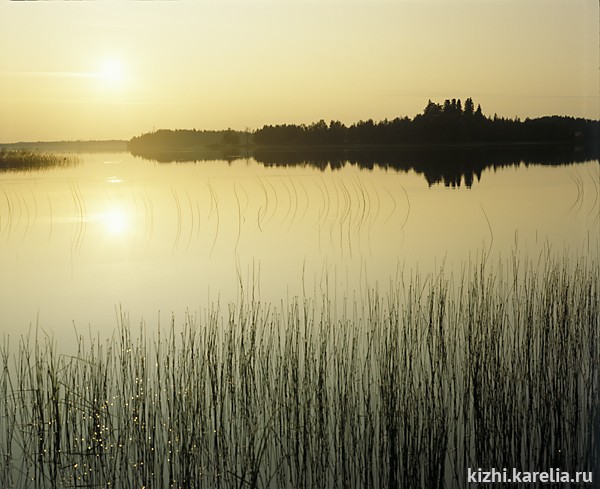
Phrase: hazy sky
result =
(110, 69)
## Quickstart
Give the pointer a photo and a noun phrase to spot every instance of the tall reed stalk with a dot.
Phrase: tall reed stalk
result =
(498, 368)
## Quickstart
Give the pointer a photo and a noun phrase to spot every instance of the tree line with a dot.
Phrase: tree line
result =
(185, 139)
(450, 122)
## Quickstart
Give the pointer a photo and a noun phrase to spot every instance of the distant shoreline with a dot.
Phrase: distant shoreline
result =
(451, 125)
(74, 146)
(243, 150)
(123, 143)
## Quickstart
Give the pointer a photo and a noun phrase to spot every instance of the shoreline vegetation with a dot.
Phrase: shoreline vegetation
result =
(27, 160)
(496, 368)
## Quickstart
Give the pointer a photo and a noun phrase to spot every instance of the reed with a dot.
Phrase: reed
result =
(27, 160)
(497, 368)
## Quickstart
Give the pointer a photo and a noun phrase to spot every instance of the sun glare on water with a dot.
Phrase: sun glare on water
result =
(116, 221)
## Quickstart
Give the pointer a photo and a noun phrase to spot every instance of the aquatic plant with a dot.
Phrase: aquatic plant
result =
(496, 368)
(18, 160)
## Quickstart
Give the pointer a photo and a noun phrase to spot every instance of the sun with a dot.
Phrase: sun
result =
(112, 73)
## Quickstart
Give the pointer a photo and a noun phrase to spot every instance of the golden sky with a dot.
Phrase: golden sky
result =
(115, 69)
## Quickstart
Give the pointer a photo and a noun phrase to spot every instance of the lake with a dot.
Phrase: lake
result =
(307, 320)
(159, 239)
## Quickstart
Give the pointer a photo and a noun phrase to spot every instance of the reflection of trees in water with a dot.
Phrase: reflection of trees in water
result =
(188, 156)
(451, 166)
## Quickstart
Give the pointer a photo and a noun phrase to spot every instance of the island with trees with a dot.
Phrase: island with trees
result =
(450, 123)
(448, 143)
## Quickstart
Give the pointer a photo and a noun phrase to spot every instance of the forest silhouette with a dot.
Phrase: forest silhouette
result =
(449, 123)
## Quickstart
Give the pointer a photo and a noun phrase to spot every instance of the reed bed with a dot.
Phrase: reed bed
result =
(27, 160)
(496, 368)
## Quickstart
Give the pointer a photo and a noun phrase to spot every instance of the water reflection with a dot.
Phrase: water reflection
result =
(114, 179)
(116, 221)
(451, 166)
(193, 229)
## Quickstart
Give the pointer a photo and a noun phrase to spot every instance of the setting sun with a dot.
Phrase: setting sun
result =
(112, 73)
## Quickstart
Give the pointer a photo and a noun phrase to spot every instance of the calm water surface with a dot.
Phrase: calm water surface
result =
(158, 239)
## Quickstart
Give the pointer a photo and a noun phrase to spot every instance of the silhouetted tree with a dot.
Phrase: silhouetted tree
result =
(469, 107)
(337, 132)
(447, 106)
(432, 110)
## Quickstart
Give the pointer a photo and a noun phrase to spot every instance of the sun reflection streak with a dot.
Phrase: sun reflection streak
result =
(116, 221)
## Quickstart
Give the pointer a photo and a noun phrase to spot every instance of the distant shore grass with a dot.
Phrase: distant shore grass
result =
(497, 369)
(33, 160)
